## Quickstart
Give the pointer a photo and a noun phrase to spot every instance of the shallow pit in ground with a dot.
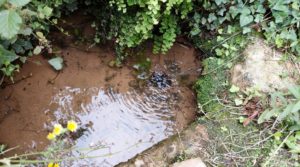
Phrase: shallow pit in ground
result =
(115, 110)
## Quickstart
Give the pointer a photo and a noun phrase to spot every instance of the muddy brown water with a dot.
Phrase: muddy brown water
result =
(113, 110)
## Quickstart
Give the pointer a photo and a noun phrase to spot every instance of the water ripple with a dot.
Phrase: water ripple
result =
(116, 120)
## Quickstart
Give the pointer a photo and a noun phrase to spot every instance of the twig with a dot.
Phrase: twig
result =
(51, 81)
(224, 105)
(13, 160)
(2, 79)
(10, 149)
(16, 82)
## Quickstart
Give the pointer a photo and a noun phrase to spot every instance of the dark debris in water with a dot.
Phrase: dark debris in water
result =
(160, 80)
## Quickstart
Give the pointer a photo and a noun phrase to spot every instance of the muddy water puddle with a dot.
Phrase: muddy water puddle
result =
(117, 114)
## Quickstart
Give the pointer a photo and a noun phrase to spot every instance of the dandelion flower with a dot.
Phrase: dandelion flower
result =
(72, 126)
(57, 129)
(51, 136)
(53, 165)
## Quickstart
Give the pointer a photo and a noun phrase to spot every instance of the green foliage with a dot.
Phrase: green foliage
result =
(152, 19)
(227, 48)
(210, 86)
(284, 27)
(22, 22)
(10, 23)
(11, 13)
(277, 20)
(285, 109)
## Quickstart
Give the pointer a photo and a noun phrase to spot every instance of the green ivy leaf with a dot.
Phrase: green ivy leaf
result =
(260, 9)
(26, 31)
(289, 35)
(19, 3)
(245, 19)
(211, 17)
(47, 11)
(259, 18)
(245, 11)
(10, 23)
(6, 56)
(233, 11)
(281, 5)
(218, 2)
(56, 63)
(195, 31)
(246, 30)
(279, 16)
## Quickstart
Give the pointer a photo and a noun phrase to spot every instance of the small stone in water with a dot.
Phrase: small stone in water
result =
(160, 80)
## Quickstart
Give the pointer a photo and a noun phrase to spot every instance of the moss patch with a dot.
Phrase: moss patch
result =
(211, 85)
(231, 144)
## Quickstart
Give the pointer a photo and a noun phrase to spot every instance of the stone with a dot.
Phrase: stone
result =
(139, 163)
(195, 162)
(264, 68)
(192, 141)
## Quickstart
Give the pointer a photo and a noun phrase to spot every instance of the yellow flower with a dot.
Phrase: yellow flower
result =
(53, 165)
(57, 129)
(72, 126)
(51, 136)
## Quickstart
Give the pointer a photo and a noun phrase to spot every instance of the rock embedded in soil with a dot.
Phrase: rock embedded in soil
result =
(264, 68)
(160, 80)
(191, 142)
(194, 162)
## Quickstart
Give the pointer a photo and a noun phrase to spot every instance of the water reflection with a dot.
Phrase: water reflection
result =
(125, 124)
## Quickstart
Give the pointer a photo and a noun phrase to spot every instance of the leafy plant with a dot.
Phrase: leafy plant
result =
(153, 19)
(22, 23)
(11, 13)
(277, 20)
(285, 110)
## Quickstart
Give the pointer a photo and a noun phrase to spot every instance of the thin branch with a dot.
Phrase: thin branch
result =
(2, 79)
